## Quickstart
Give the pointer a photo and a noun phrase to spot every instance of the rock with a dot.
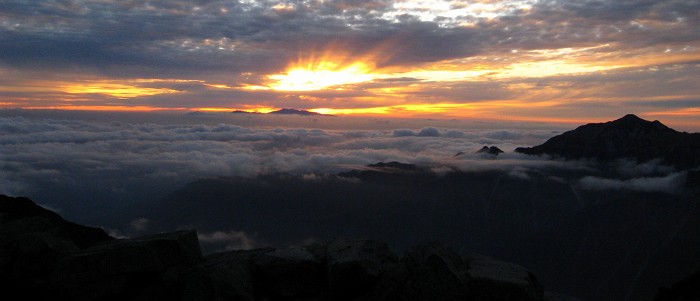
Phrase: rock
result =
(430, 272)
(287, 273)
(353, 270)
(687, 289)
(33, 241)
(40, 260)
(223, 276)
(355, 266)
(126, 268)
(497, 280)
(17, 209)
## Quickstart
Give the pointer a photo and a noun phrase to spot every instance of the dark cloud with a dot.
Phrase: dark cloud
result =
(259, 36)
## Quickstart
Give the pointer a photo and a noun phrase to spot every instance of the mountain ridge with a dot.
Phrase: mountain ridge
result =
(284, 111)
(39, 263)
(626, 137)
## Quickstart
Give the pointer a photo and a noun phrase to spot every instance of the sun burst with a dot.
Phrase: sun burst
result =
(324, 75)
(333, 67)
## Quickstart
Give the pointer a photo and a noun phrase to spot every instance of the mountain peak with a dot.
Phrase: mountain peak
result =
(627, 137)
(631, 121)
(294, 112)
(631, 117)
(493, 150)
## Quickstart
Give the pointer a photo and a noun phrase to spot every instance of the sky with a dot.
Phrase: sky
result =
(530, 60)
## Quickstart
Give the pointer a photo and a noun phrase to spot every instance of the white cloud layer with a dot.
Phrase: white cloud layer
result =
(670, 183)
(102, 172)
(37, 150)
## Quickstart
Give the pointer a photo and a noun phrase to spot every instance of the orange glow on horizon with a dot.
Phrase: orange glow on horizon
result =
(678, 112)
(118, 90)
(248, 109)
(105, 108)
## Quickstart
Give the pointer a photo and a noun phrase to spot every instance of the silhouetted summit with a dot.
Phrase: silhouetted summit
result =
(283, 112)
(394, 165)
(627, 137)
(294, 112)
(490, 150)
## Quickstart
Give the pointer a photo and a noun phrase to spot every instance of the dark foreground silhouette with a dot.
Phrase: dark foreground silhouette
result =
(43, 257)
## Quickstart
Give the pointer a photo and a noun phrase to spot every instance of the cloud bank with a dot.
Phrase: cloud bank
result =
(671, 183)
(103, 172)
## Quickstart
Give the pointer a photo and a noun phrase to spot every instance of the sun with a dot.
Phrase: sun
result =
(321, 75)
(331, 67)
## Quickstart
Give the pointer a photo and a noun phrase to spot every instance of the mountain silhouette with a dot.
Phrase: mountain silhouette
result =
(294, 112)
(284, 112)
(493, 150)
(627, 137)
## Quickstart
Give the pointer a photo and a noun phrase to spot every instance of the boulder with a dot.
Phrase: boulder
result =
(223, 276)
(687, 289)
(41, 259)
(33, 241)
(127, 268)
(19, 209)
(287, 273)
(497, 280)
(426, 272)
(355, 266)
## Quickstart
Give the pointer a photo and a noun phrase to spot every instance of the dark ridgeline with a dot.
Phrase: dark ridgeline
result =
(627, 137)
(492, 150)
(284, 112)
(40, 259)
(294, 112)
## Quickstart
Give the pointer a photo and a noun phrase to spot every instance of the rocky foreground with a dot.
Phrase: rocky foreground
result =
(45, 257)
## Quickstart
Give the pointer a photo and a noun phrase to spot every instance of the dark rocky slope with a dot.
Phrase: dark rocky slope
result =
(627, 137)
(43, 257)
(688, 289)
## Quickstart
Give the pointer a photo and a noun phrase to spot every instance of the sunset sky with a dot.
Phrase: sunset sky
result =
(530, 60)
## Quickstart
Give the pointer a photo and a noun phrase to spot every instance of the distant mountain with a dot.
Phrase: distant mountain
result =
(627, 137)
(294, 112)
(284, 112)
(243, 112)
(489, 150)
(394, 165)
(492, 150)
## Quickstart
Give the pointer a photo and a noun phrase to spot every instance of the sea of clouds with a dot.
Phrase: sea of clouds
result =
(96, 170)
(35, 149)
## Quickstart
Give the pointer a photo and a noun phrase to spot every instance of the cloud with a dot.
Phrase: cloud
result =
(226, 241)
(103, 168)
(139, 224)
(652, 46)
(245, 36)
(69, 150)
(671, 183)
(424, 132)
